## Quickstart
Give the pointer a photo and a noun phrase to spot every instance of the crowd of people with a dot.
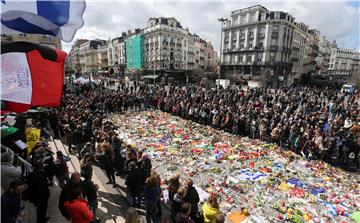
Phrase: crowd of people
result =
(316, 123)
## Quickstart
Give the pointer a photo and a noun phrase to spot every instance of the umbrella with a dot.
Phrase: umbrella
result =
(356, 216)
(6, 131)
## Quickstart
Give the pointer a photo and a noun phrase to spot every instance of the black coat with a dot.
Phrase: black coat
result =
(192, 196)
(89, 189)
(134, 181)
(38, 187)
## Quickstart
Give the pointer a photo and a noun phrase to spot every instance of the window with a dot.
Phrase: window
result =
(262, 30)
(277, 15)
(259, 58)
(251, 33)
(242, 19)
(252, 17)
(242, 46)
(250, 45)
(240, 58)
(249, 58)
(272, 57)
(263, 16)
(273, 42)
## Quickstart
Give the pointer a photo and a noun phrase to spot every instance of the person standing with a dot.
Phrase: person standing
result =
(134, 182)
(183, 216)
(107, 160)
(73, 183)
(10, 201)
(39, 192)
(210, 209)
(8, 171)
(192, 196)
(61, 169)
(77, 207)
(152, 195)
(89, 190)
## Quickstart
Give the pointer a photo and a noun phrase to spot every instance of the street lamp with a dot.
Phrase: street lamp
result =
(222, 20)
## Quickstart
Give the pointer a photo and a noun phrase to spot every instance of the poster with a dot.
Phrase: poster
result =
(32, 137)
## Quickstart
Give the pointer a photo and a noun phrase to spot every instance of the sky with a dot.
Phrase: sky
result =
(336, 19)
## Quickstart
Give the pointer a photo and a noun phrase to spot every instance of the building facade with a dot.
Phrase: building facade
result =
(74, 56)
(299, 53)
(323, 59)
(344, 62)
(102, 59)
(312, 50)
(116, 54)
(134, 52)
(169, 46)
(258, 42)
(88, 56)
(41, 39)
(166, 45)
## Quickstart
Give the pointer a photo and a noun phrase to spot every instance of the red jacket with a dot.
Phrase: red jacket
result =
(79, 211)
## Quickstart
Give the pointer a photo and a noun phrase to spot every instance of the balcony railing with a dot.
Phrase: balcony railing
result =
(273, 48)
(275, 34)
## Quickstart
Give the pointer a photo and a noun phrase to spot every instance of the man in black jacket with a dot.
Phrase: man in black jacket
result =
(89, 190)
(192, 196)
(39, 192)
(134, 181)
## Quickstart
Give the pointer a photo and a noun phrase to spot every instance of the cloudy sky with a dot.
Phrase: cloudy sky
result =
(336, 19)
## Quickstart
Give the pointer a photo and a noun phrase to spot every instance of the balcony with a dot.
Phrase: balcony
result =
(273, 48)
(242, 37)
(250, 36)
(259, 48)
(275, 34)
(261, 35)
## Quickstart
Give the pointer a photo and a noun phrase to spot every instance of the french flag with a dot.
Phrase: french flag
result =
(31, 75)
(56, 18)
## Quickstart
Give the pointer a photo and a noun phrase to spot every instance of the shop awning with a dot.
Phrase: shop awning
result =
(151, 76)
